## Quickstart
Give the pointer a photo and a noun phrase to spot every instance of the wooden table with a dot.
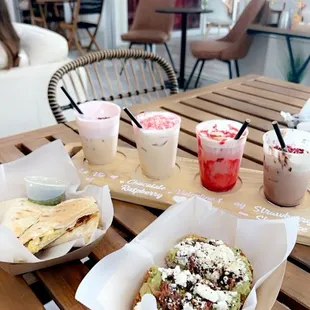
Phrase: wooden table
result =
(259, 98)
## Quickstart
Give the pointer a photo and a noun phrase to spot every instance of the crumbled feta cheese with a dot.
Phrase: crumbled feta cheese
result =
(206, 292)
(213, 257)
(221, 305)
(188, 296)
(138, 306)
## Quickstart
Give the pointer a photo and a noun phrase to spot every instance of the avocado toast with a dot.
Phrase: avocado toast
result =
(226, 267)
(177, 289)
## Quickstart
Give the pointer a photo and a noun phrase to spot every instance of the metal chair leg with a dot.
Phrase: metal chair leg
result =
(170, 57)
(229, 69)
(191, 76)
(237, 68)
(198, 78)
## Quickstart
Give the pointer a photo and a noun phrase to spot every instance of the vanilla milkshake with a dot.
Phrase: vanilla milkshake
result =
(219, 154)
(157, 143)
(286, 174)
(98, 128)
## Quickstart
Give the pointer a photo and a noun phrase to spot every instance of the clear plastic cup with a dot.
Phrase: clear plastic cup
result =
(286, 175)
(157, 148)
(98, 128)
(219, 157)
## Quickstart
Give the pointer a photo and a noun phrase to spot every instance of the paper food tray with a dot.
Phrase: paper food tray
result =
(51, 160)
(266, 243)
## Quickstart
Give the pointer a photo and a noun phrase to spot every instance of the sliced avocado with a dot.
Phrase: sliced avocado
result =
(153, 282)
(170, 258)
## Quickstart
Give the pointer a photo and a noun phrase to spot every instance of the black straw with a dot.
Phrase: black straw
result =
(73, 104)
(132, 118)
(242, 129)
(279, 135)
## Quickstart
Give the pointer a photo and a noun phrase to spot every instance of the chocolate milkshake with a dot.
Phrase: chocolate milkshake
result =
(286, 174)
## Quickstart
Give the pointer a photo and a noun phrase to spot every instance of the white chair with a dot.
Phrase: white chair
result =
(220, 18)
(24, 104)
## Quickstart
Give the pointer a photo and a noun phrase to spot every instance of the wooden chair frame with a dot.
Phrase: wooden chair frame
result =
(154, 61)
(93, 35)
(72, 28)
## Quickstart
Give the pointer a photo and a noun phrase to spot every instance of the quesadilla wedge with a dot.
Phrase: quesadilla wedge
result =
(84, 228)
(20, 214)
(226, 267)
(58, 221)
(176, 289)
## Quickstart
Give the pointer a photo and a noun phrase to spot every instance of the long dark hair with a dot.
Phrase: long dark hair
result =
(8, 36)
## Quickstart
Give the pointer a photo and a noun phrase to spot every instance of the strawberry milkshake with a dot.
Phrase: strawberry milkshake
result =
(286, 174)
(219, 154)
(157, 143)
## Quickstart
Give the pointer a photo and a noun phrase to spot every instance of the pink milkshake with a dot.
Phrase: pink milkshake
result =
(157, 143)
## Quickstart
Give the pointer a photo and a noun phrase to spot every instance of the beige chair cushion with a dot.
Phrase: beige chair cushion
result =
(209, 49)
(146, 36)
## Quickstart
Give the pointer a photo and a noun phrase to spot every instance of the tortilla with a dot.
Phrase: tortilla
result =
(82, 229)
(56, 222)
(20, 214)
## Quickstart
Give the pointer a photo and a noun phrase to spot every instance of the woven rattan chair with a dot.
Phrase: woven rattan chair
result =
(96, 76)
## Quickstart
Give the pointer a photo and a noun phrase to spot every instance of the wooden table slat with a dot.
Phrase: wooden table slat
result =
(197, 116)
(62, 282)
(9, 153)
(261, 102)
(284, 84)
(227, 113)
(15, 294)
(35, 144)
(278, 90)
(260, 93)
(111, 242)
(244, 107)
(35, 134)
(292, 285)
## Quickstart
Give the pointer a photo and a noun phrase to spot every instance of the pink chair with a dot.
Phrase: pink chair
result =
(234, 46)
(149, 27)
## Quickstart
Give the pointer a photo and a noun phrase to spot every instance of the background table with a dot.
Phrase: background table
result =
(259, 98)
(288, 34)
(184, 12)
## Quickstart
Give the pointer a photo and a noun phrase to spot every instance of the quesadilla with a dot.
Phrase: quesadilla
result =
(20, 214)
(177, 289)
(226, 267)
(70, 219)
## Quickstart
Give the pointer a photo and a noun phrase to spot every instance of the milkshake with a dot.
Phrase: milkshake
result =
(219, 154)
(157, 143)
(98, 128)
(286, 174)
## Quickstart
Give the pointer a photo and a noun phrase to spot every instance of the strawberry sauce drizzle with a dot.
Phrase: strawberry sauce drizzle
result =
(221, 135)
(293, 150)
(159, 122)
